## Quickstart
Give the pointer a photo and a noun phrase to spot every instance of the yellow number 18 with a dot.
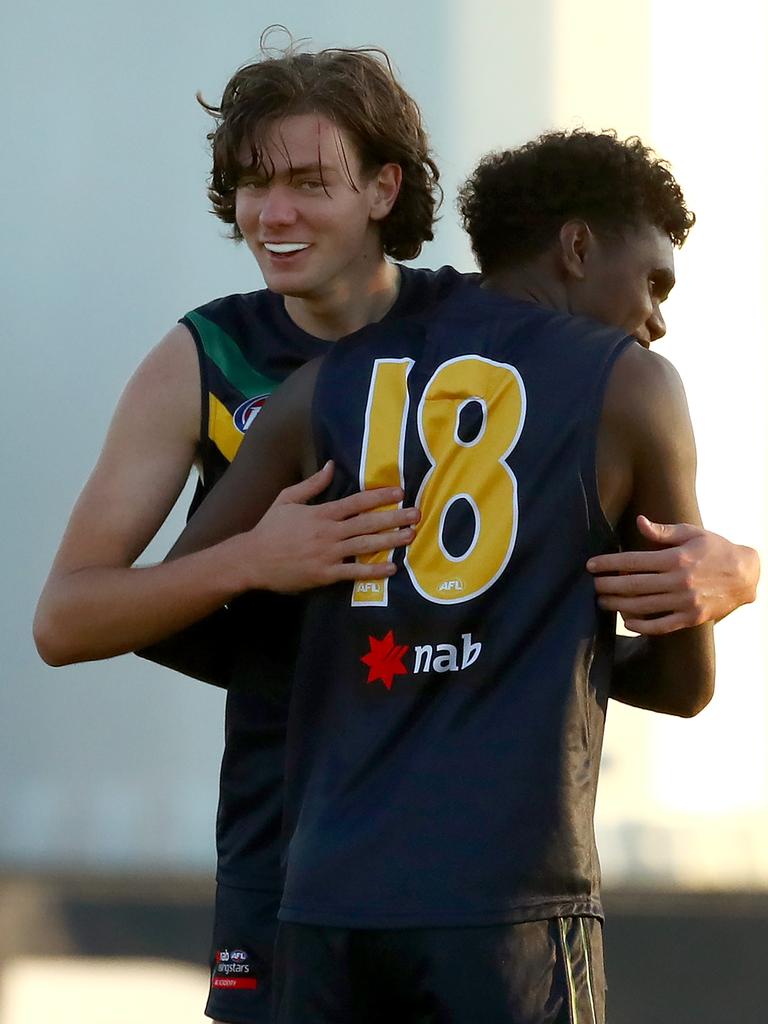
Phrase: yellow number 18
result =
(473, 471)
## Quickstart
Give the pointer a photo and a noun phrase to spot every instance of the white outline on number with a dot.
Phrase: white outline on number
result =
(446, 508)
(481, 431)
(501, 460)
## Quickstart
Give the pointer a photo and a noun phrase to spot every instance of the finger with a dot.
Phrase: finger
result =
(305, 490)
(369, 545)
(633, 561)
(651, 604)
(658, 627)
(361, 571)
(666, 533)
(374, 522)
(636, 584)
(363, 501)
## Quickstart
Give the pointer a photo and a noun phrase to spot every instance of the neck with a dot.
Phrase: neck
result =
(349, 304)
(532, 282)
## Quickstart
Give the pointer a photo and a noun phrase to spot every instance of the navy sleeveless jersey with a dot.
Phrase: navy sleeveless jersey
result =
(247, 345)
(447, 723)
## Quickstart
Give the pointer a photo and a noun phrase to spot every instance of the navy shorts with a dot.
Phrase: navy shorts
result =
(244, 928)
(537, 972)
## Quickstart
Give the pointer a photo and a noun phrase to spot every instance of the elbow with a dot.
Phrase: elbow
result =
(692, 708)
(52, 639)
(696, 699)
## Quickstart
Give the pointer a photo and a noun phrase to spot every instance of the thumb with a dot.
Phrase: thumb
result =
(307, 489)
(666, 533)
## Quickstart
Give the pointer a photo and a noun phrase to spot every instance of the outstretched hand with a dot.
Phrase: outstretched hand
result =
(694, 577)
(297, 546)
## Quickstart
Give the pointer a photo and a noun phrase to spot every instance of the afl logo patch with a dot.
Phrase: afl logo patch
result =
(245, 414)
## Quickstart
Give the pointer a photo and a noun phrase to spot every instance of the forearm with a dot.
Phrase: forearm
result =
(99, 612)
(672, 674)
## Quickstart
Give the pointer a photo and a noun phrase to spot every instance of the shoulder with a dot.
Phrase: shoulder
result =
(646, 406)
(172, 363)
(420, 287)
(165, 387)
(231, 315)
(644, 384)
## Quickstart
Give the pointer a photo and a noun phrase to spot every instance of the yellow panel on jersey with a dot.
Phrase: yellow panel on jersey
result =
(221, 429)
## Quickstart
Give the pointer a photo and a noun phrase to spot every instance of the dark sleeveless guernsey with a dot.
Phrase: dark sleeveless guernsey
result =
(247, 345)
(446, 727)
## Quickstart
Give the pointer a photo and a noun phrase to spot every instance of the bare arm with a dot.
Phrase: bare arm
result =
(147, 455)
(647, 460)
(95, 604)
(259, 500)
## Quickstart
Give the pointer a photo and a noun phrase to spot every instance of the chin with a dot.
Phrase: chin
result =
(285, 283)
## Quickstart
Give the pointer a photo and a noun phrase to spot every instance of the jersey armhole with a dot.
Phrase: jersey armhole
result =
(603, 535)
(204, 396)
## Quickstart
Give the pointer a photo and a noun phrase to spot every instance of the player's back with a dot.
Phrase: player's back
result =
(447, 722)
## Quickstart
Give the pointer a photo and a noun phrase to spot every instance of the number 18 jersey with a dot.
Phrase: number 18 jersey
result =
(447, 722)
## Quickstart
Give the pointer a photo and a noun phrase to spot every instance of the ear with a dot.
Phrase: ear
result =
(386, 187)
(575, 241)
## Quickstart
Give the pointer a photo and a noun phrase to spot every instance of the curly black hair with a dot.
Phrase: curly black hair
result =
(357, 90)
(516, 201)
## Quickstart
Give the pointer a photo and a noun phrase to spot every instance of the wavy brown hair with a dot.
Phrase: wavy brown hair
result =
(356, 90)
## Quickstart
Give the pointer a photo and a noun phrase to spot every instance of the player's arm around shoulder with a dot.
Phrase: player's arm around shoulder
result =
(647, 463)
(149, 449)
(284, 543)
(685, 576)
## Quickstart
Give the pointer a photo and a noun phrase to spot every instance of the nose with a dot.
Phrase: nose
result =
(277, 208)
(655, 324)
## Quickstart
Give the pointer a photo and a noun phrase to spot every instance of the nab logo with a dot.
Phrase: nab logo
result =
(246, 413)
(447, 586)
(385, 657)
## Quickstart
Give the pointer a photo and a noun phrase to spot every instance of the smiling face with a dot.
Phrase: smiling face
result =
(625, 280)
(310, 216)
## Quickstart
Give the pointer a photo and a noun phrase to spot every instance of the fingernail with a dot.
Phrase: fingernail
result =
(591, 565)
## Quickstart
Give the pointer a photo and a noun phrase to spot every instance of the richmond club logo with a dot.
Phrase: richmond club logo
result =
(247, 411)
(386, 658)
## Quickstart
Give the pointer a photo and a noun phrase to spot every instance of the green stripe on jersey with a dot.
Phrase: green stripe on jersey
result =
(222, 350)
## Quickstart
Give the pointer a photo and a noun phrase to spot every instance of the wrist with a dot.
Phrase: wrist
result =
(236, 566)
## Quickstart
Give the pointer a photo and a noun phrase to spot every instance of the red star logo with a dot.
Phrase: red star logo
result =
(385, 659)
